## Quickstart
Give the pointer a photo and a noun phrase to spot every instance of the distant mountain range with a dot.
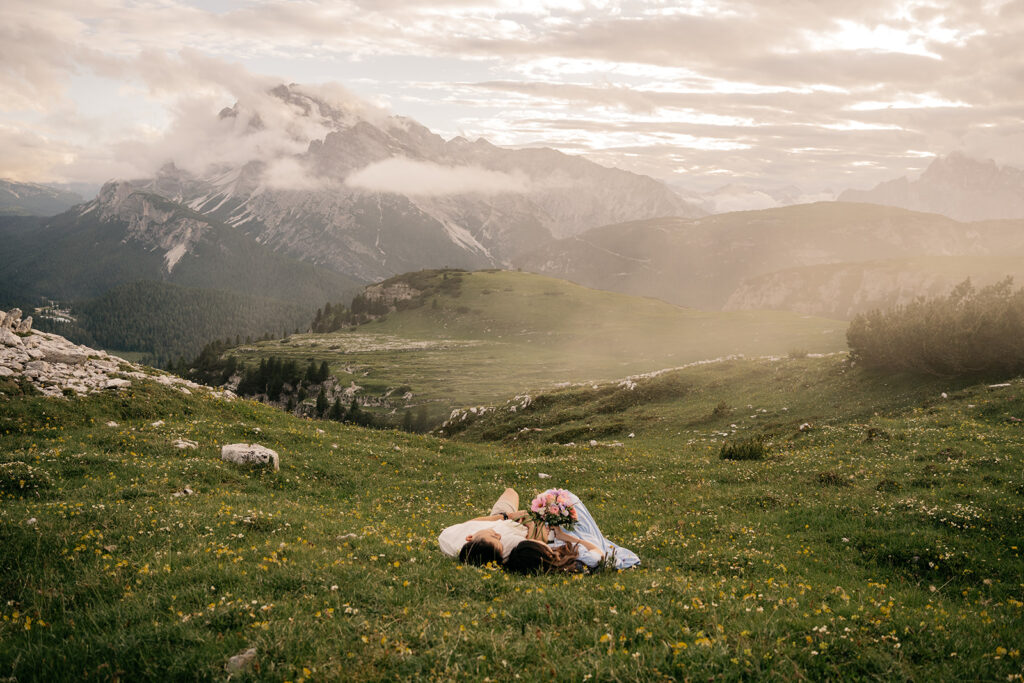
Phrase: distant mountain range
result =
(31, 199)
(376, 198)
(956, 186)
(748, 197)
(771, 258)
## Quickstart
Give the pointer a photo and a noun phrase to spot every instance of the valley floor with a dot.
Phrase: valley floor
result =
(881, 541)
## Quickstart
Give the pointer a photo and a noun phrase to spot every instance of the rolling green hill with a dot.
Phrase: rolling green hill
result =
(501, 333)
(881, 542)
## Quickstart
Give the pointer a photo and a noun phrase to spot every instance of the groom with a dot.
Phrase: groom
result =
(487, 539)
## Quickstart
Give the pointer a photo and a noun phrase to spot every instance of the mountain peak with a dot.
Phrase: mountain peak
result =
(957, 185)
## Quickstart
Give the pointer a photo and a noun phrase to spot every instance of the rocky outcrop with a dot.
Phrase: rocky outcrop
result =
(58, 367)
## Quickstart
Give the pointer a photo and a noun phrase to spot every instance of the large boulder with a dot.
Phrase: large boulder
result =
(250, 454)
(12, 319)
(25, 326)
(8, 338)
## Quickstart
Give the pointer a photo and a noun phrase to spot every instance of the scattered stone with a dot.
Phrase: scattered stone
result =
(31, 521)
(593, 442)
(158, 423)
(944, 395)
(113, 424)
(345, 537)
(243, 661)
(805, 427)
(110, 548)
(187, 491)
(541, 475)
(998, 386)
(6, 371)
(185, 391)
(250, 454)
(185, 443)
(632, 435)
(117, 384)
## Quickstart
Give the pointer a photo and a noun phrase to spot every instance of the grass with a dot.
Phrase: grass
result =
(506, 333)
(910, 569)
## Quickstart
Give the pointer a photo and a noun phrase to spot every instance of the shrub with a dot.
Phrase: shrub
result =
(969, 332)
(831, 478)
(751, 449)
(20, 477)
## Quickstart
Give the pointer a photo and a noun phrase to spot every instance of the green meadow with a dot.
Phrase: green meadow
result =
(502, 333)
(878, 537)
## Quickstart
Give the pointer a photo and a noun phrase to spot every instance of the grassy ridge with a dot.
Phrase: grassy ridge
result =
(505, 333)
(883, 542)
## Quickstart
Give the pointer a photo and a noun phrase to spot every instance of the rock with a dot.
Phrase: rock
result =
(6, 371)
(31, 521)
(241, 662)
(72, 358)
(187, 491)
(541, 475)
(116, 384)
(12, 319)
(250, 454)
(185, 443)
(112, 424)
(8, 338)
(158, 423)
(25, 326)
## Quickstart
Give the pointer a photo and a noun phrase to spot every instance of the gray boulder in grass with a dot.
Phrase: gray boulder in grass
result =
(250, 454)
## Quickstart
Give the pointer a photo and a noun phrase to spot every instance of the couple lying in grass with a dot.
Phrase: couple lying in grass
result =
(519, 542)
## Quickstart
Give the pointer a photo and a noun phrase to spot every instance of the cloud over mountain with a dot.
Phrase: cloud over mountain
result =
(400, 175)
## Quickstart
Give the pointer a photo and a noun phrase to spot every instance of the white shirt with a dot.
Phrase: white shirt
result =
(453, 538)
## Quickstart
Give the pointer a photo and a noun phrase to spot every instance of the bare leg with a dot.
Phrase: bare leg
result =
(508, 502)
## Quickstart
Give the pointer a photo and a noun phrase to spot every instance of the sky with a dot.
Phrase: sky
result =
(819, 94)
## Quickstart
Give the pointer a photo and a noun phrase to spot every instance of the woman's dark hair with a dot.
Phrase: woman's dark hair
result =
(478, 552)
(535, 557)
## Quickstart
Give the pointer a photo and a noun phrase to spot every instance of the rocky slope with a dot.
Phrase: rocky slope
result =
(956, 186)
(377, 198)
(126, 235)
(56, 367)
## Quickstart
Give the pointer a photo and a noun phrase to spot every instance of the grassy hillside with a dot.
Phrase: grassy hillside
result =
(702, 262)
(842, 290)
(501, 333)
(883, 542)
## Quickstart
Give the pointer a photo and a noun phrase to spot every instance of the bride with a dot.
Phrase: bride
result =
(585, 547)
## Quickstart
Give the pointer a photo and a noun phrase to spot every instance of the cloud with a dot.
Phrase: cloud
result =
(400, 175)
(714, 89)
(289, 173)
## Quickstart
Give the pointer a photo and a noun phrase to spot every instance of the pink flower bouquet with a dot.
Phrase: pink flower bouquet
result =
(553, 507)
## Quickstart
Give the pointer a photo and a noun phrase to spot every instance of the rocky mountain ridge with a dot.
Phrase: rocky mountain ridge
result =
(956, 186)
(377, 198)
(32, 199)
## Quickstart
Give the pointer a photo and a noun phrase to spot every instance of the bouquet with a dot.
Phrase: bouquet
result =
(553, 507)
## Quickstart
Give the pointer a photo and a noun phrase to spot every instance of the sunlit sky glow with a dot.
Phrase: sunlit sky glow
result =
(814, 93)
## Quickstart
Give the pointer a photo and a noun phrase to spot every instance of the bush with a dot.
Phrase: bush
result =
(831, 478)
(20, 477)
(751, 449)
(969, 332)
